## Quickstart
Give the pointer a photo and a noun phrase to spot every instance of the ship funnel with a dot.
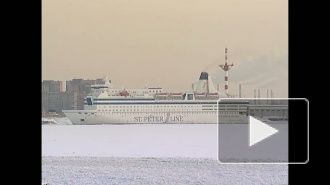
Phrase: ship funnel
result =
(203, 83)
(204, 76)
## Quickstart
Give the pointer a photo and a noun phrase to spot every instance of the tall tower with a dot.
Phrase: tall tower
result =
(226, 68)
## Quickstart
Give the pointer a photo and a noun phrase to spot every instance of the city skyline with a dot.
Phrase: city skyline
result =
(168, 43)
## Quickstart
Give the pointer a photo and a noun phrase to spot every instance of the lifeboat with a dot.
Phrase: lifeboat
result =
(213, 94)
(200, 94)
(162, 94)
(124, 93)
(176, 94)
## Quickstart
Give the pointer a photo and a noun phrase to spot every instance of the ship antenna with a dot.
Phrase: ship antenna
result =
(226, 49)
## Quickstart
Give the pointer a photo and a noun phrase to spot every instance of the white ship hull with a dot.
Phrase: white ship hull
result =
(152, 106)
(91, 117)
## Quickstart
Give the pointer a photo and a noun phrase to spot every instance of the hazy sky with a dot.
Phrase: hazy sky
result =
(167, 42)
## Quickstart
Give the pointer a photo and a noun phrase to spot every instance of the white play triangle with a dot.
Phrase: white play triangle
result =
(259, 130)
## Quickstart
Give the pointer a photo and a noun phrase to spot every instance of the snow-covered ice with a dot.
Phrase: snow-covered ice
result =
(58, 120)
(141, 140)
(125, 170)
(144, 154)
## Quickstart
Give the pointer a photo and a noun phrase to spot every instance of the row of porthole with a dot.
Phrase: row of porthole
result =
(171, 110)
(157, 113)
(149, 107)
(268, 110)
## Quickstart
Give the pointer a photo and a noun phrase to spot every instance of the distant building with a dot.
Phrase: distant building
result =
(80, 85)
(55, 100)
(82, 88)
(51, 86)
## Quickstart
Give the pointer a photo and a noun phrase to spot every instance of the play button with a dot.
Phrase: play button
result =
(252, 131)
(259, 131)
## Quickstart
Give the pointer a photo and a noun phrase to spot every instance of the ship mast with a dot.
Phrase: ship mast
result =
(226, 68)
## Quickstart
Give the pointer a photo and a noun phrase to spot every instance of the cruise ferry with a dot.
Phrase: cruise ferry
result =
(109, 105)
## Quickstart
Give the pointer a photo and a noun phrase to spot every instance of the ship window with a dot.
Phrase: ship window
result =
(82, 119)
